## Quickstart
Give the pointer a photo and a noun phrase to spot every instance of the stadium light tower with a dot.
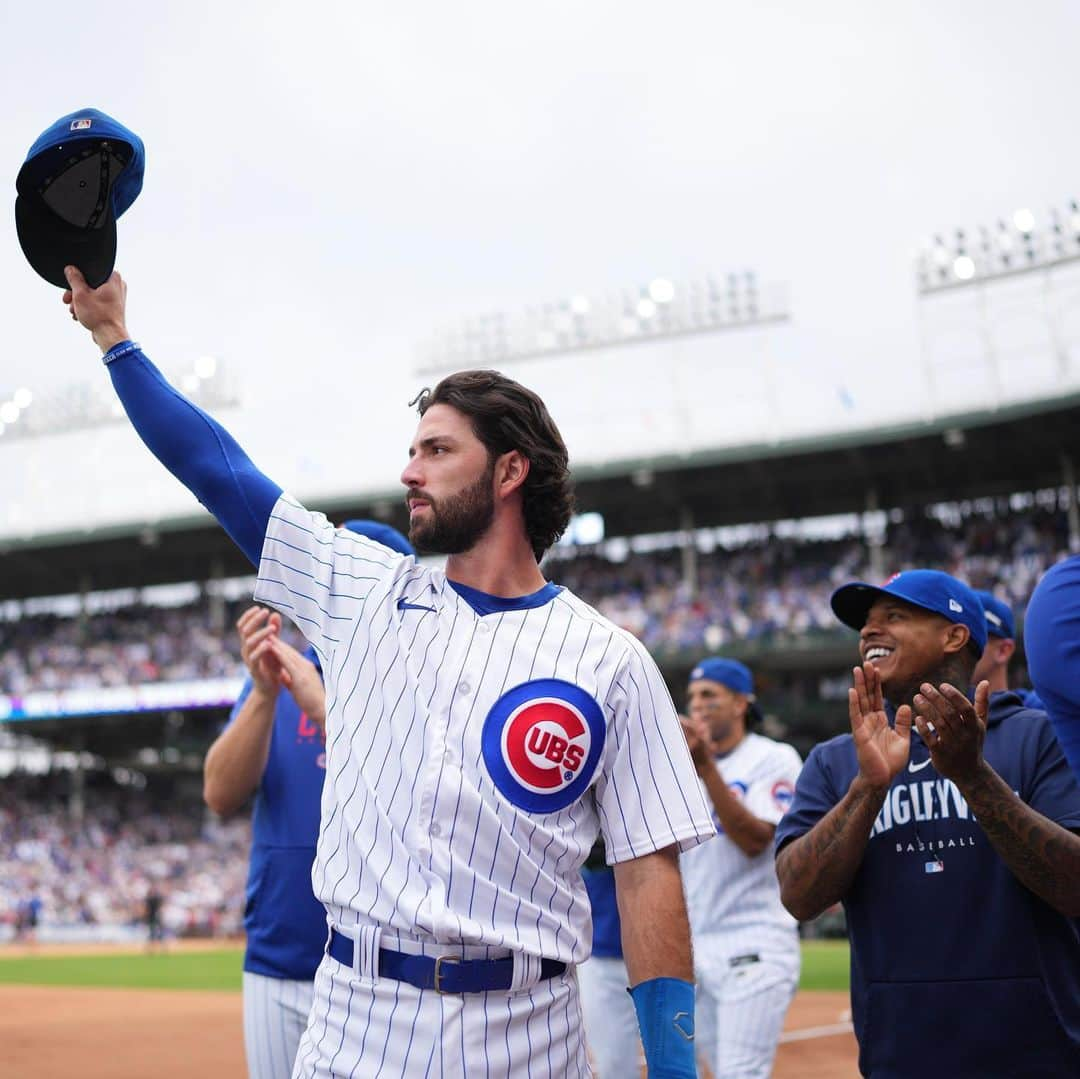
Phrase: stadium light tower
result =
(994, 296)
(1018, 244)
(25, 414)
(658, 310)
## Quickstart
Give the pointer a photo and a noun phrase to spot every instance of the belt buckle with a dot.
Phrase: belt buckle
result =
(439, 960)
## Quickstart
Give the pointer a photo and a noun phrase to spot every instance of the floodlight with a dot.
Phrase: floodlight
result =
(1024, 220)
(964, 268)
(661, 291)
(206, 366)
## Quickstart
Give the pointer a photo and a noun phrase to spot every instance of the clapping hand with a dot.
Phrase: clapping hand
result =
(882, 749)
(258, 628)
(953, 728)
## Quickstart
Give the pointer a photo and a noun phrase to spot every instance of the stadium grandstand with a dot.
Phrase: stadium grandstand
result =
(118, 658)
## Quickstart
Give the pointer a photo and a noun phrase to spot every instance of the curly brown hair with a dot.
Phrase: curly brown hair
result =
(507, 416)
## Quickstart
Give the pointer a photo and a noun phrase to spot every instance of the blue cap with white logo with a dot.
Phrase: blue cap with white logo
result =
(380, 533)
(80, 175)
(929, 589)
(999, 616)
(731, 673)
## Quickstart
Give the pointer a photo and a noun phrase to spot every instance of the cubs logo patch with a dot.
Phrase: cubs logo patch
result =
(782, 793)
(542, 742)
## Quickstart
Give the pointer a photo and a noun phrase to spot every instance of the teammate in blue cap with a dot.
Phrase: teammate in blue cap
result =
(1052, 643)
(746, 946)
(953, 849)
(274, 747)
(999, 651)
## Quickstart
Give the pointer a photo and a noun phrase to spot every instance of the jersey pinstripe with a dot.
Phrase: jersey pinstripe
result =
(746, 945)
(417, 836)
(730, 894)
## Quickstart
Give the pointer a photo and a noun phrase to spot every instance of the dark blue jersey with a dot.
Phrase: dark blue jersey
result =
(607, 930)
(285, 923)
(956, 968)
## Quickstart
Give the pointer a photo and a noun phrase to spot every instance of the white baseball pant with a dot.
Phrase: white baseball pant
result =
(275, 1014)
(611, 1026)
(366, 1027)
(739, 1013)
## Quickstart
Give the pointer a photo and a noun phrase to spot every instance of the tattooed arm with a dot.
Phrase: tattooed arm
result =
(817, 869)
(1043, 855)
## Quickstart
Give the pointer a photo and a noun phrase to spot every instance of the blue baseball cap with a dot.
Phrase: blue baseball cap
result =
(78, 178)
(380, 533)
(999, 616)
(929, 589)
(731, 673)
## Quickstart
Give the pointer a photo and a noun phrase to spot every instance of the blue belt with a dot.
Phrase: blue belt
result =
(444, 973)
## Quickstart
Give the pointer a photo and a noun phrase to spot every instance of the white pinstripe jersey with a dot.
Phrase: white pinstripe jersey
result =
(472, 755)
(729, 894)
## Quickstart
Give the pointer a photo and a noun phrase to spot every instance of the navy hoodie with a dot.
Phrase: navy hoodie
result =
(957, 969)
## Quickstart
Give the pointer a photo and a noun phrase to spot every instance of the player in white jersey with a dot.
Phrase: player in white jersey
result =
(746, 945)
(482, 727)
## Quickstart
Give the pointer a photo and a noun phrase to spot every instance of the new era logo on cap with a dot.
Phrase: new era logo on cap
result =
(954, 606)
(79, 176)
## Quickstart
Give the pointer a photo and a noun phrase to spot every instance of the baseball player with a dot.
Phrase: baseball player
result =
(953, 849)
(1052, 644)
(993, 666)
(274, 747)
(746, 945)
(484, 727)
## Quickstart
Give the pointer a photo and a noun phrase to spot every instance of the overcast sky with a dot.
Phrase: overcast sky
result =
(327, 183)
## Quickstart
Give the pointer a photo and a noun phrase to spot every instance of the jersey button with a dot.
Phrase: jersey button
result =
(435, 831)
(464, 688)
(483, 627)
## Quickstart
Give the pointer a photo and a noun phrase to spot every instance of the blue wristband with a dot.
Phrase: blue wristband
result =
(121, 348)
(665, 1012)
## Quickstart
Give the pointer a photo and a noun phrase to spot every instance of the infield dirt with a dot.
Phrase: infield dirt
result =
(52, 1033)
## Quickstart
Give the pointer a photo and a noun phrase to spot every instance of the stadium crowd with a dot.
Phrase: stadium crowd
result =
(127, 646)
(780, 588)
(99, 868)
(769, 589)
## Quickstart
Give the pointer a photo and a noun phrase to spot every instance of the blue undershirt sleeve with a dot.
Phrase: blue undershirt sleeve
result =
(195, 448)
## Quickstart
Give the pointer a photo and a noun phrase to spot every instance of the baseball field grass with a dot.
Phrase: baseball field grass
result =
(825, 966)
(170, 969)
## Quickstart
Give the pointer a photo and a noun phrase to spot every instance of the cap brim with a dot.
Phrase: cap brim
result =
(50, 244)
(852, 602)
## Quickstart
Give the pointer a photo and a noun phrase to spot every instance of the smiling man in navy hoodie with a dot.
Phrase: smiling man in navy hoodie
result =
(953, 849)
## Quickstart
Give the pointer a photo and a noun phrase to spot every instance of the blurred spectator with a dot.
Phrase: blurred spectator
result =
(103, 869)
